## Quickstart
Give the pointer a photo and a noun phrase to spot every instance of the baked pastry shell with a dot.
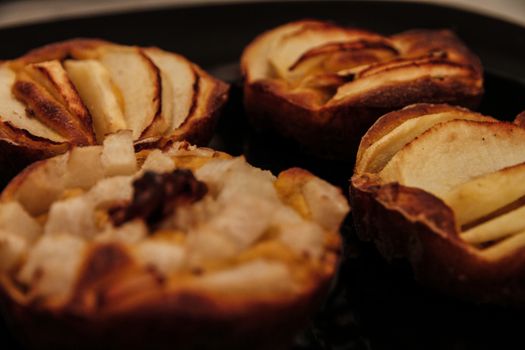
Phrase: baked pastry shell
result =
(410, 223)
(333, 130)
(162, 316)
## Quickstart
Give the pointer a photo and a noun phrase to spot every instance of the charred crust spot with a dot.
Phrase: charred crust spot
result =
(103, 260)
(105, 263)
(197, 271)
(155, 273)
(156, 196)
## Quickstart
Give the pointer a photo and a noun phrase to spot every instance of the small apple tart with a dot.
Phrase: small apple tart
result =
(444, 187)
(324, 85)
(185, 248)
(76, 92)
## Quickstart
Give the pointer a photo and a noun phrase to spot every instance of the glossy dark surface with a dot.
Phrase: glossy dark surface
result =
(375, 304)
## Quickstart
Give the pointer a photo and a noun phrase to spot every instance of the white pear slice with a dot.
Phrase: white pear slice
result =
(93, 83)
(485, 194)
(118, 155)
(138, 80)
(14, 112)
(380, 152)
(52, 76)
(84, 167)
(178, 77)
(455, 152)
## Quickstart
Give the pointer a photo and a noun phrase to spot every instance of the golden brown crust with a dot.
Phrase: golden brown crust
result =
(328, 121)
(184, 320)
(429, 240)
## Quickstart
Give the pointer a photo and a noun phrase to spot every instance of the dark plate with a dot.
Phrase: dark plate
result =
(375, 305)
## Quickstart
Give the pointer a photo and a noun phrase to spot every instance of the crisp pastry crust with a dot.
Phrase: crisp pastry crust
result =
(324, 85)
(74, 93)
(443, 187)
(185, 247)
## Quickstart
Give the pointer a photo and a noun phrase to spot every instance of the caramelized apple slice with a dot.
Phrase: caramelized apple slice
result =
(138, 80)
(14, 112)
(52, 76)
(94, 85)
(49, 111)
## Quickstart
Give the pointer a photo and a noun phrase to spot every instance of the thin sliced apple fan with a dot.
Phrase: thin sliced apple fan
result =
(473, 163)
(79, 91)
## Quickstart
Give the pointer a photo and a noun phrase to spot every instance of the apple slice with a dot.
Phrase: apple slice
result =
(49, 111)
(380, 152)
(455, 152)
(14, 112)
(483, 195)
(138, 80)
(400, 76)
(333, 57)
(497, 228)
(506, 247)
(178, 79)
(254, 62)
(93, 83)
(289, 48)
(52, 76)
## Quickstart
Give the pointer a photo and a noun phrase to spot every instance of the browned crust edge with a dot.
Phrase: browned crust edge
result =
(410, 223)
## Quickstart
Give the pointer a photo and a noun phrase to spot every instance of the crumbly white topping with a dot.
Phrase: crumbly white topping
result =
(241, 206)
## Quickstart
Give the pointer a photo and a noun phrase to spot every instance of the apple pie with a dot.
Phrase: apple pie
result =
(76, 92)
(444, 187)
(324, 85)
(180, 248)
